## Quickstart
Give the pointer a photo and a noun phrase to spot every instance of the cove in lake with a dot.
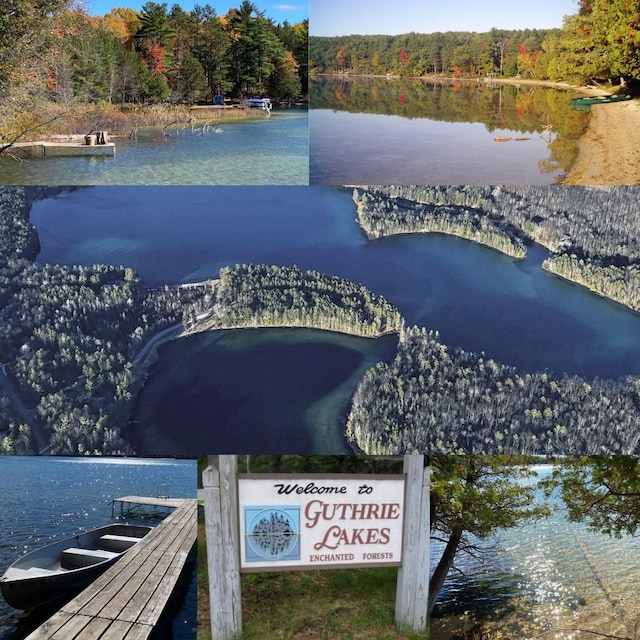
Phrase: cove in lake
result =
(549, 575)
(392, 131)
(476, 298)
(45, 499)
(273, 150)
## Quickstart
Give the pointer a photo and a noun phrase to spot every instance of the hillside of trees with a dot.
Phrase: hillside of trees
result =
(273, 296)
(598, 43)
(431, 399)
(68, 335)
(382, 216)
(56, 59)
(593, 233)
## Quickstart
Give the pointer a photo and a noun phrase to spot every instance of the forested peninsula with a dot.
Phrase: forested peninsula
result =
(273, 296)
(599, 43)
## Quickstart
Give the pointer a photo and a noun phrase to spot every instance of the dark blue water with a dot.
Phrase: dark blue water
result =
(45, 499)
(476, 298)
(277, 391)
(273, 150)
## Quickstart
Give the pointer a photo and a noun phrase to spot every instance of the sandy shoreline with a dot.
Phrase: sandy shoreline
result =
(609, 151)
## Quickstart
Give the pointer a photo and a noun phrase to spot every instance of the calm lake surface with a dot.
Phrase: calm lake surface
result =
(209, 390)
(392, 131)
(549, 575)
(46, 499)
(273, 150)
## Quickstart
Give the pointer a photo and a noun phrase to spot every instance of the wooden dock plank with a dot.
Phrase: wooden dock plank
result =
(126, 602)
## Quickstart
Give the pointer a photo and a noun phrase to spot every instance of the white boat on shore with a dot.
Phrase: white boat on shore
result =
(64, 568)
(259, 103)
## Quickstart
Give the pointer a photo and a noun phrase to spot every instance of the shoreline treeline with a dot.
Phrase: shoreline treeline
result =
(598, 43)
(58, 55)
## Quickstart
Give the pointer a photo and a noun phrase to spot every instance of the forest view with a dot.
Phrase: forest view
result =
(600, 42)
(58, 63)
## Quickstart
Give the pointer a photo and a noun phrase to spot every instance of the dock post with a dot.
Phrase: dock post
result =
(412, 592)
(223, 546)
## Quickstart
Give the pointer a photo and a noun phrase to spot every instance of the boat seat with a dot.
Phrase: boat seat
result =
(112, 542)
(15, 573)
(76, 557)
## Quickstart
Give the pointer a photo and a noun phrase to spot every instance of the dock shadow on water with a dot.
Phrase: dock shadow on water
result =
(411, 131)
(254, 391)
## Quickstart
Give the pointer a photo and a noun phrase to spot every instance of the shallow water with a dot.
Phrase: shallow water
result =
(543, 577)
(44, 499)
(269, 150)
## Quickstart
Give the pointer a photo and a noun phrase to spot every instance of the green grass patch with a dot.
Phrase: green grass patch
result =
(339, 604)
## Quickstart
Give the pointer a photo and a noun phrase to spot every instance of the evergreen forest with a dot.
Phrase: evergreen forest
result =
(274, 296)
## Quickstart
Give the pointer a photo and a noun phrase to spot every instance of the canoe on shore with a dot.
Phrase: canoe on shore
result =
(64, 568)
(591, 100)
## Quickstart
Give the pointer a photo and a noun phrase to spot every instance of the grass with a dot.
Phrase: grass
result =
(341, 604)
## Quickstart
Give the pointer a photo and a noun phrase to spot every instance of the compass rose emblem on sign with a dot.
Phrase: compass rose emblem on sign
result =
(272, 533)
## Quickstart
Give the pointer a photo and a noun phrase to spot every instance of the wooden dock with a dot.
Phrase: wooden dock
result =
(46, 149)
(130, 504)
(126, 602)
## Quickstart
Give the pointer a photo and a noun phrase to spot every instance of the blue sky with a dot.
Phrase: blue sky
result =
(391, 17)
(279, 11)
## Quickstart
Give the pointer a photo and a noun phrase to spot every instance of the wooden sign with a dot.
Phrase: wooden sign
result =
(320, 521)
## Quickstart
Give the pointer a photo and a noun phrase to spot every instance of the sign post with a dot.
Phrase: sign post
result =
(221, 526)
(412, 592)
(284, 522)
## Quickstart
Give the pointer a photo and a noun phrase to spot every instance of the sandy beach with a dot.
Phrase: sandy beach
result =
(609, 151)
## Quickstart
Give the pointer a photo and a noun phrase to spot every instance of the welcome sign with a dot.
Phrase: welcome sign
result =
(320, 521)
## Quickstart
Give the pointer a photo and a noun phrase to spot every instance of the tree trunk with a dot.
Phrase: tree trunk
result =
(442, 569)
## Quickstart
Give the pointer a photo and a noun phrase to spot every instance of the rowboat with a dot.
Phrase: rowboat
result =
(591, 100)
(64, 568)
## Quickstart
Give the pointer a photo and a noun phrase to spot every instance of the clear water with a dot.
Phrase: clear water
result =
(390, 131)
(273, 150)
(543, 577)
(204, 387)
(45, 499)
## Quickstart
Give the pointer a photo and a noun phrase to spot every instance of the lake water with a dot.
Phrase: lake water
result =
(392, 131)
(273, 150)
(46, 499)
(204, 388)
(545, 576)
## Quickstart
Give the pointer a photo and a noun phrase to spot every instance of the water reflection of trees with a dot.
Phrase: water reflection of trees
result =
(524, 110)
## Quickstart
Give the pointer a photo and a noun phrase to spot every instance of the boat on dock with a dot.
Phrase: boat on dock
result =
(67, 566)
